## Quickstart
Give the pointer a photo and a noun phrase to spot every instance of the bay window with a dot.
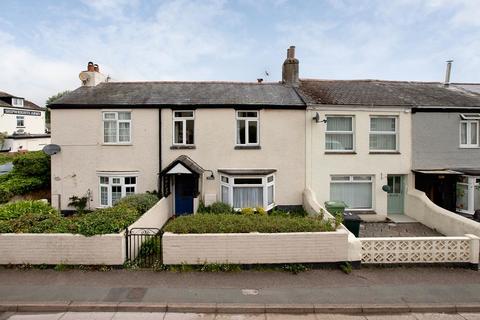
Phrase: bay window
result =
(339, 135)
(183, 125)
(248, 191)
(116, 127)
(113, 188)
(355, 191)
(247, 128)
(383, 134)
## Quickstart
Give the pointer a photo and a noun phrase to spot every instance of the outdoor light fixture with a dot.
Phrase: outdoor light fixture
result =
(317, 118)
(211, 176)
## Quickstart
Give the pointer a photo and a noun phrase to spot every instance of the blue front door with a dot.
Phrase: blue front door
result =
(184, 189)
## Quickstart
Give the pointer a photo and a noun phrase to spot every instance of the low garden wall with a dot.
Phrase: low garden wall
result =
(422, 209)
(74, 249)
(253, 248)
(401, 250)
(312, 206)
(61, 248)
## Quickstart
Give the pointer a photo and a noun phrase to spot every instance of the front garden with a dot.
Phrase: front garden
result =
(221, 218)
(31, 173)
(39, 217)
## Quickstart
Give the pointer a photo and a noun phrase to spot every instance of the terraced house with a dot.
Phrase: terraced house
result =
(240, 143)
(364, 142)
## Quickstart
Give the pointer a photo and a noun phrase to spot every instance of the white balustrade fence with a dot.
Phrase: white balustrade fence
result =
(420, 250)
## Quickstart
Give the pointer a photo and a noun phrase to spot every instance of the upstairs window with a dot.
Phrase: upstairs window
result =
(383, 134)
(339, 136)
(469, 134)
(183, 124)
(17, 102)
(113, 189)
(247, 128)
(116, 127)
(20, 121)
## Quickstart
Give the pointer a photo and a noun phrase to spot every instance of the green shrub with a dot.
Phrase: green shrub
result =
(108, 220)
(141, 202)
(202, 208)
(16, 209)
(33, 164)
(78, 203)
(247, 211)
(229, 223)
(220, 207)
(260, 210)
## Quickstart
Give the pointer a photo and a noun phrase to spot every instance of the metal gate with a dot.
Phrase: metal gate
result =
(143, 247)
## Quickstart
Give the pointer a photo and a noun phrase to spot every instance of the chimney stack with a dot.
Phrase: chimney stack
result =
(290, 68)
(448, 72)
(92, 76)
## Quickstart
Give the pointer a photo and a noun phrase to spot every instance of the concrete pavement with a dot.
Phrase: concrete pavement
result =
(364, 291)
(203, 316)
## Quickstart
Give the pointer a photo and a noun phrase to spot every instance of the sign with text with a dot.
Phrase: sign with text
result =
(22, 112)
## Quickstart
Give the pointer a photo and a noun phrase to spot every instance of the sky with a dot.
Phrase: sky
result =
(45, 44)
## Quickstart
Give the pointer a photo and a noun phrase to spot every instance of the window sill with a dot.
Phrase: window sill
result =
(469, 147)
(182, 147)
(117, 144)
(247, 147)
(339, 152)
(384, 152)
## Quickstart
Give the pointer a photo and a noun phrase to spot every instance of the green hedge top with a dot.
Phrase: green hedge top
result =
(39, 217)
(230, 223)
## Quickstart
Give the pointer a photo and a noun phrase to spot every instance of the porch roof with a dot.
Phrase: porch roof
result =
(186, 162)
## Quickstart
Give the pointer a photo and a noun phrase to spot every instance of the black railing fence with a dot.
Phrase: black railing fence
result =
(143, 247)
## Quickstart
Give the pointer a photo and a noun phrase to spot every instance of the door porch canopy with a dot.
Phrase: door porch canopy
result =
(181, 165)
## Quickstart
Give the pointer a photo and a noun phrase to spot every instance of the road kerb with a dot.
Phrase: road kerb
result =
(192, 307)
(86, 306)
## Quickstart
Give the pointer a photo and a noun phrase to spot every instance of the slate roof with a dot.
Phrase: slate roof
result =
(472, 87)
(208, 94)
(387, 93)
(26, 103)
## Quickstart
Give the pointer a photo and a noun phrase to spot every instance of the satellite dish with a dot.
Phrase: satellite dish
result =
(83, 76)
(51, 149)
(386, 188)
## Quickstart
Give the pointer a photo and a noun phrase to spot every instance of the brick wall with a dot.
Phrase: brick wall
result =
(251, 248)
(57, 248)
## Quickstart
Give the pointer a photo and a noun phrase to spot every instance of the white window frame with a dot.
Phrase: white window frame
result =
(17, 102)
(469, 136)
(230, 184)
(351, 179)
(341, 132)
(21, 118)
(183, 120)
(473, 186)
(383, 133)
(122, 183)
(247, 121)
(117, 125)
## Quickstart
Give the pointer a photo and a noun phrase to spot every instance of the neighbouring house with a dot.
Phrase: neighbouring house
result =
(368, 136)
(239, 143)
(23, 122)
(446, 147)
(358, 144)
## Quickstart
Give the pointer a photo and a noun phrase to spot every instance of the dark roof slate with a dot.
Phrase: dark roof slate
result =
(182, 94)
(386, 93)
(26, 103)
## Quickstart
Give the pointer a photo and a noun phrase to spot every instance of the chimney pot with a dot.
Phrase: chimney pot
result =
(448, 72)
(259, 80)
(96, 68)
(90, 67)
(290, 69)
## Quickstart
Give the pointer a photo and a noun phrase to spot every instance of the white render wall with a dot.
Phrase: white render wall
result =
(282, 141)
(30, 144)
(33, 124)
(58, 248)
(253, 248)
(422, 209)
(320, 166)
(80, 135)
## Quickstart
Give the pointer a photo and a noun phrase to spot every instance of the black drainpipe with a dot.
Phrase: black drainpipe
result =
(160, 192)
